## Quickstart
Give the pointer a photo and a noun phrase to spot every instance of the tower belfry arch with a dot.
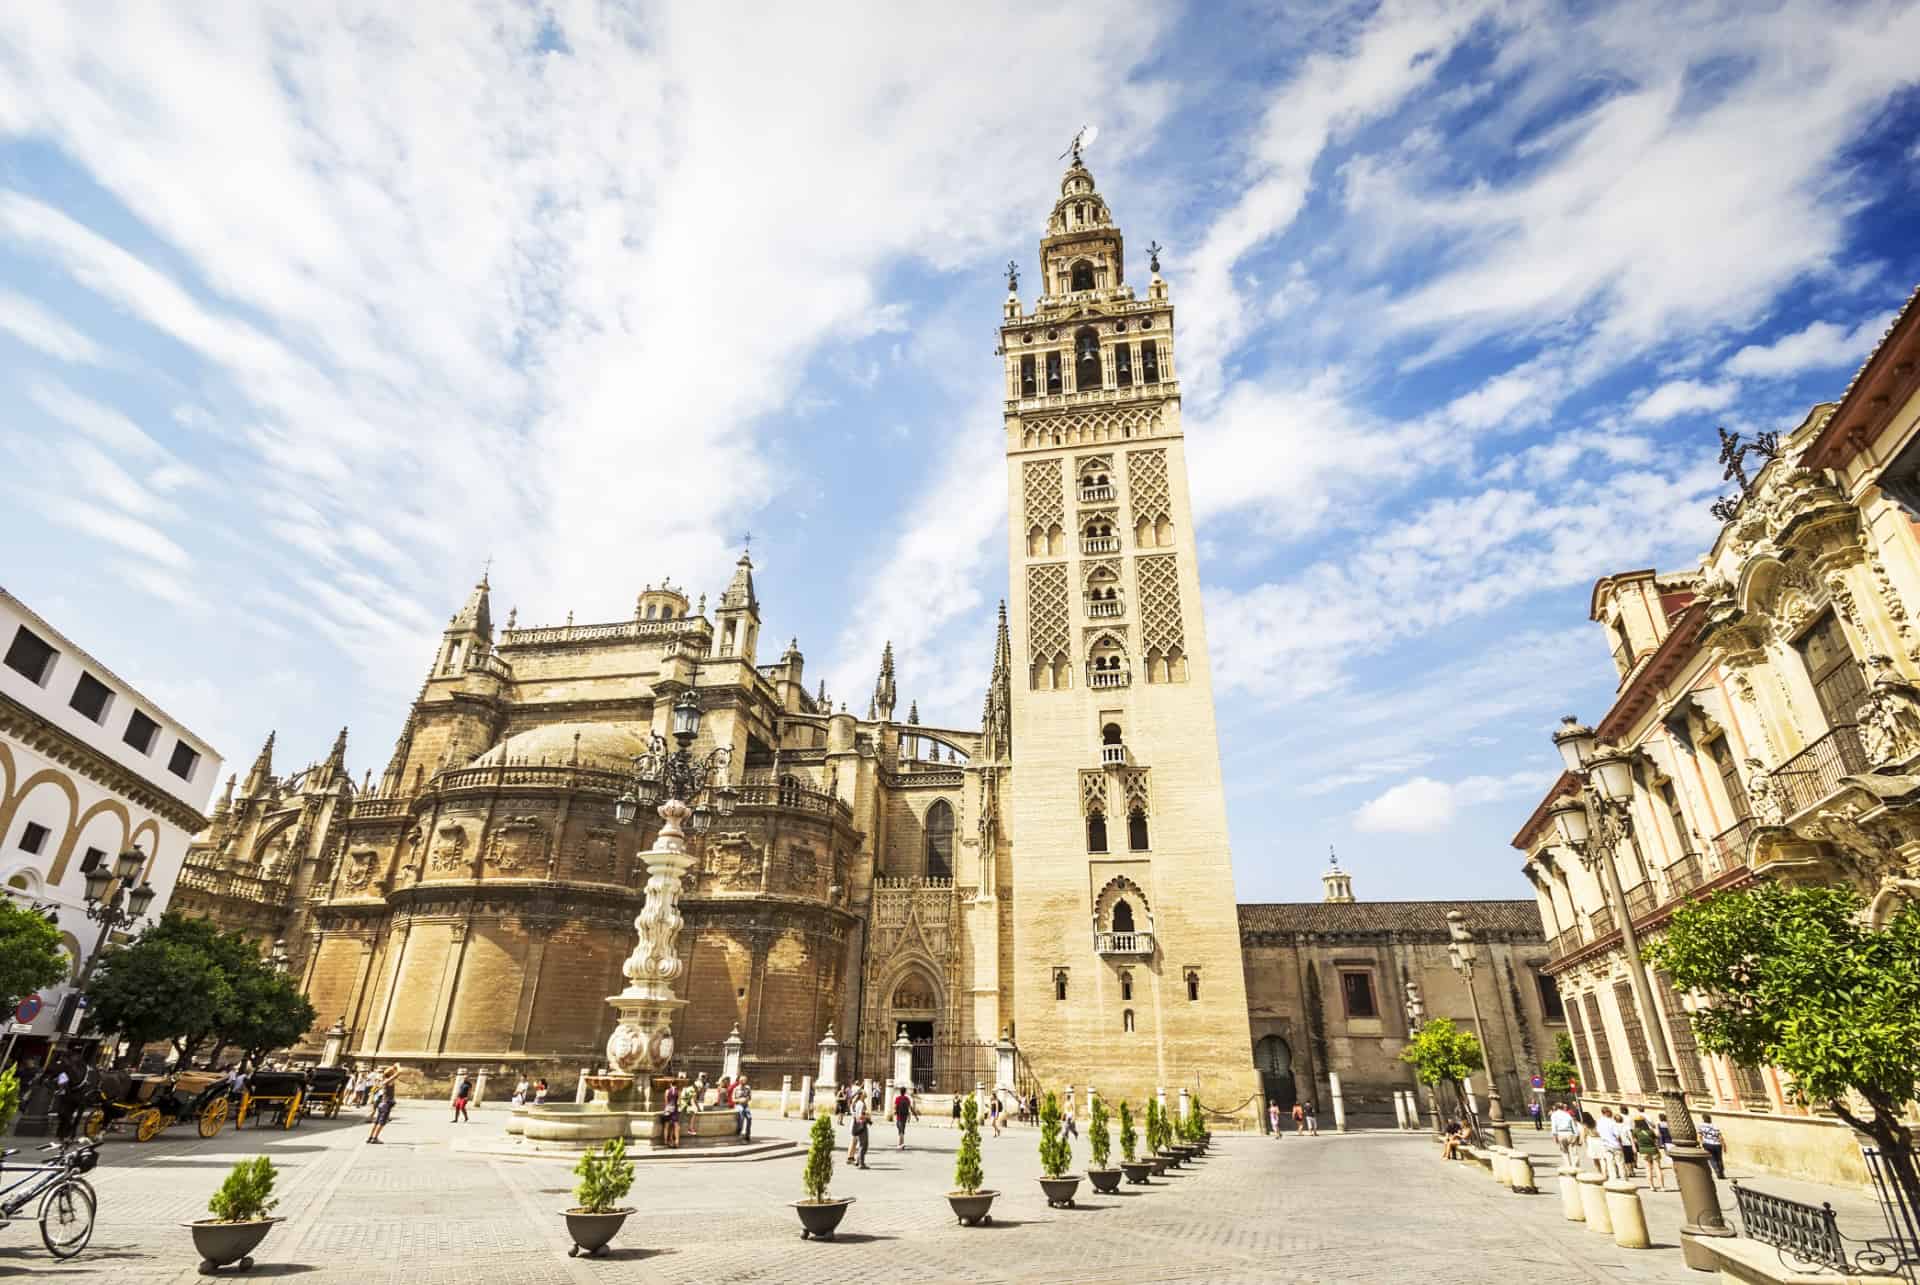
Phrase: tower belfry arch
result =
(1117, 912)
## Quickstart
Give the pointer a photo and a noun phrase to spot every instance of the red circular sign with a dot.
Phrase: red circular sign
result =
(27, 1009)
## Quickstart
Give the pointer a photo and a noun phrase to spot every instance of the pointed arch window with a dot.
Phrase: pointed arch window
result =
(1126, 1021)
(940, 840)
(1096, 832)
(1123, 918)
(1137, 830)
(1082, 274)
(1059, 983)
(1193, 985)
(1126, 985)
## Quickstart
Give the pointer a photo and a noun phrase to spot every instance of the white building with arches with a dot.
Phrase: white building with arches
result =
(88, 768)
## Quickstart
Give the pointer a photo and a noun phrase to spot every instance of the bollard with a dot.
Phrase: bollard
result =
(1593, 1200)
(1339, 1103)
(1497, 1165)
(806, 1094)
(786, 1091)
(580, 1085)
(1520, 1173)
(479, 1090)
(1570, 1195)
(1629, 1219)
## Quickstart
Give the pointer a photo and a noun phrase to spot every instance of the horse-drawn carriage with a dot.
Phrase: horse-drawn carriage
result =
(272, 1097)
(326, 1090)
(148, 1104)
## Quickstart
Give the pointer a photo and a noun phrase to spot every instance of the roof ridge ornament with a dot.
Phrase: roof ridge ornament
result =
(1733, 454)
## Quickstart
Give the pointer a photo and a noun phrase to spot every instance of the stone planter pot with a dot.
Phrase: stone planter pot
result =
(819, 1218)
(1172, 1158)
(1136, 1171)
(972, 1207)
(222, 1243)
(1159, 1164)
(591, 1232)
(1105, 1181)
(1186, 1151)
(1060, 1190)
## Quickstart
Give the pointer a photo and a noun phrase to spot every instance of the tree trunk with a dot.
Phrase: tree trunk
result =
(1895, 1141)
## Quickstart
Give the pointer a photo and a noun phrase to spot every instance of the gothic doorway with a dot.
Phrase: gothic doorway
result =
(1275, 1062)
(913, 1008)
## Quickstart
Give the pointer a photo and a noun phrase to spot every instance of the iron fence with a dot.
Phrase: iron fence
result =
(1815, 772)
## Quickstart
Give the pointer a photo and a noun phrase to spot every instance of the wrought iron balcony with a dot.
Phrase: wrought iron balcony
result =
(1640, 899)
(1565, 943)
(1814, 773)
(1730, 845)
(1123, 943)
(1683, 876)
(1113, 756)
(1095, 494)
(1602, 921)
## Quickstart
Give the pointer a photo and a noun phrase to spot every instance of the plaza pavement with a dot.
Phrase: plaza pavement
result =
(421, 1211)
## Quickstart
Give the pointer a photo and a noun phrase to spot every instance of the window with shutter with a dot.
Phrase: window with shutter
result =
(1837, 680)
(1636, 1035)
(1602, 1050)
(1686, 1052)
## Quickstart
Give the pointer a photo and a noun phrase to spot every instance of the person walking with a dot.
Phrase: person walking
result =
(994, 1112)
(1713, 1144)
(1647, 1143)
(1566, 1132)
(1590, 1144)
(902, 1108)
(461, 1093)
(670, 1117)
(1533, 1109)
(1313, 1120)
(743, 1107)
(1273, 1120)
(383, 1096)
(1611, 1146)
(1299, 1118)
(520, 1092)
(539, 1091)
(857, 1135)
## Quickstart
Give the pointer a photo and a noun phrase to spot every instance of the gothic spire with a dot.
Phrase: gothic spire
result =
(225, 805)
(739, 595)
(996, 717)
(883, 687)
(477, 616)
(913, 713)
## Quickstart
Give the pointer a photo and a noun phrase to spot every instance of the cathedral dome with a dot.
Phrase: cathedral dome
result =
(607, 745)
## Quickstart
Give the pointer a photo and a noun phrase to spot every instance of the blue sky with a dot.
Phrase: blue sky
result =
(307, 312)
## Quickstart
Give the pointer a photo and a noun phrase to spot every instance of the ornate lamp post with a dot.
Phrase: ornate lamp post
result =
(1462, 952)
(113, 902)
(1416, 1018)
(1593, 826)
(642, 1041)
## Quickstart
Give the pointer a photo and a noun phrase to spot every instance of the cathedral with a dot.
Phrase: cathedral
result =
(1057, 877)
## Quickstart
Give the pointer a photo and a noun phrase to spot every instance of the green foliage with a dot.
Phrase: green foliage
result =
(186, 981)
(30, 954)
(1190, 1127)
(1156, 1127)
(820, 1147)
(247, 1194)
(1056, 1153)
(1559, 1074)
(606, 1176)
(1792, 977)
(966, 1166)
(9, 1098)
(1128, 1135)
(1099, 1135)
(1442, 1053)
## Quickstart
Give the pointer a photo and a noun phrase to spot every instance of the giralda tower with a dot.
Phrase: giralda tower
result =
(1126, 944)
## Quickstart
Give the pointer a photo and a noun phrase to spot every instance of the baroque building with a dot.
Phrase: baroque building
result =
(1771, 700)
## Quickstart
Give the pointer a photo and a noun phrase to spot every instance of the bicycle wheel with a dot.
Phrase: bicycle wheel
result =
(66, 1217)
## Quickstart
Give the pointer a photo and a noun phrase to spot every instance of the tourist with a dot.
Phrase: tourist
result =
(520, 1092)
(383, 1097)
(461, 1093)
(540, 1091)
(1590, 1144)
(743, 1108)
(1666, 1136)
(670, 1117)
(1273, 1120)
(956, 1110)
(1313, 1119)
(1629, 1155)
(1647, 1143)
(857, 1134)
(1713, 1144)
(1533, 1109)
(994, 1112)
(1607, 1129)
(902, 1108)
(1068, 1107)
(1566, 1131)
(1452, 1140)
(873, 1094)
(1299, 1118)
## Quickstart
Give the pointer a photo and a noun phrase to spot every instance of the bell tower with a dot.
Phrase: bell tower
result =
(1125, 926)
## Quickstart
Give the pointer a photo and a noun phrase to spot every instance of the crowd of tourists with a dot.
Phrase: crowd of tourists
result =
(1617, 1142)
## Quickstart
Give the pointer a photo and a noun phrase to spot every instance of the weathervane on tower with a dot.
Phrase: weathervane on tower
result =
(1081, 141)
(1013, 277)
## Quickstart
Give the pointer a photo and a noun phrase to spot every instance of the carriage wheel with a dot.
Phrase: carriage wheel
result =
(213, 1117)
(147, 1125)
(333, 1108)
(292, 1118)
(93, 1122)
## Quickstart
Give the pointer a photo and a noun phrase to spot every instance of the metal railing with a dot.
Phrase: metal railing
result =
(1123, 943)
(1730, 845)
(1602, 920)
(1903, 1220)
(1640, 900)
(1564, 944)
(1683, 876)
(1814, 773)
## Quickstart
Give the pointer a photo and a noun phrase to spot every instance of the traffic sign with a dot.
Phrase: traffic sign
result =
(1539, 1083)
(27, 1009)
(19, 1028)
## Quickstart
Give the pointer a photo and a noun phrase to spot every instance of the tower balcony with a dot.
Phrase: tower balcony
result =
(1123, 945)
(1098, 607)
(1100, 544)
(1109, 677)
(1113, 756)
(1096, 494)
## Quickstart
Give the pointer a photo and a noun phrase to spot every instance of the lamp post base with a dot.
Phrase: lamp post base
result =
(1700, 1199)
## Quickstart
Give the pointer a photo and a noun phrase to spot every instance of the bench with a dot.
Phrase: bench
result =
(1481, 1154)
(1809, 1236)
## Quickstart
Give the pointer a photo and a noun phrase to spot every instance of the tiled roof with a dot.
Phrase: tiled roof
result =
(1427, 917)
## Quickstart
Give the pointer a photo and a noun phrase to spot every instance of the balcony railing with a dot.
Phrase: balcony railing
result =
(1683, 876)
(1602, 920)
(1104, 607)
(1095, 494)
(1100, 544)
(1113, 756)
(1640, 899)
(1730, 845)
(1815, 772)
(1109, 677)
(1123, 943)
(1565, 943)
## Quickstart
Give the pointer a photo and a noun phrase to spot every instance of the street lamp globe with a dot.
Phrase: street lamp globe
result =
(128, 863)
(1570, 821)
(140, 898)
(97, 880)
(702, 817)
(686, 716)
(1575, 741)
(1613, 768)
(626, 808)
(724, 798)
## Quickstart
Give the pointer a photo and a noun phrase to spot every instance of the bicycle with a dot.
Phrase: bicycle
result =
(67, 1201)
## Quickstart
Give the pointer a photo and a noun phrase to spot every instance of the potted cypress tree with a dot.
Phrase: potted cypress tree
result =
(971, 1205)
(240, 1219)
(1136, 1170)
(1181, 1141)
(1103, 1177)
(606, 1176)
(819, 1213)
(1157, 1156)
(1056, 1153)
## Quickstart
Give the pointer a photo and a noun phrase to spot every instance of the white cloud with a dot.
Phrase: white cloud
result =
(1423, 805)
(28, 322)
(1823, 345)
(1683, 397)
